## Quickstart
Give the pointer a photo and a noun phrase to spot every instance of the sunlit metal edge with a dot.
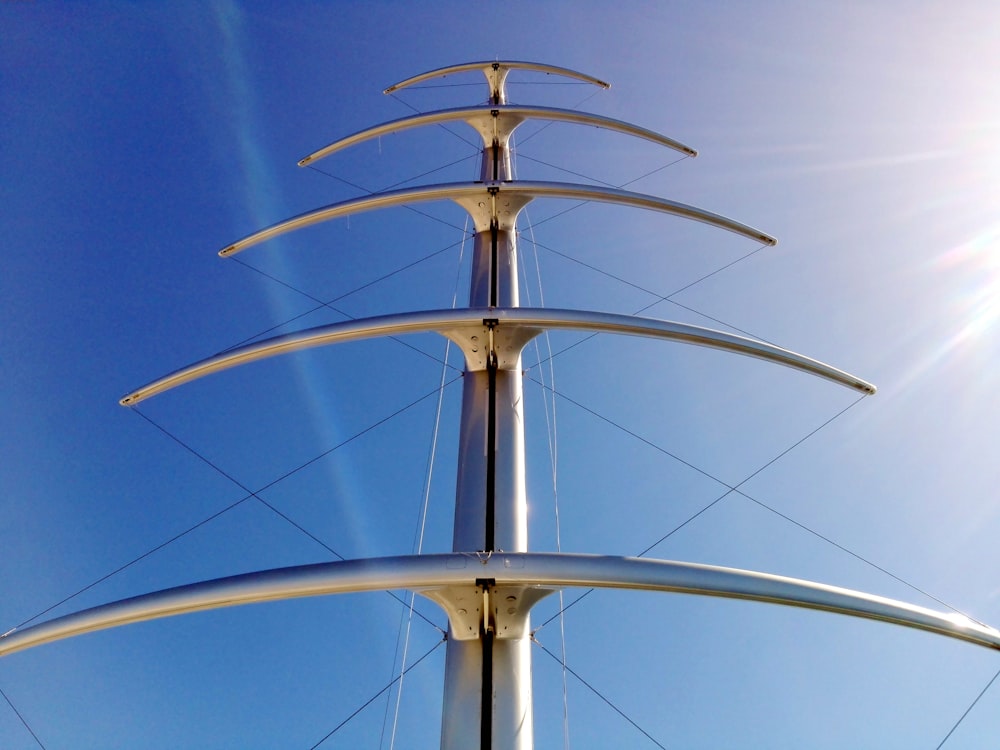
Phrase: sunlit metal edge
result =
(541, 319)
(451, 115)
(427, 572)
(460, 190)
(509, 64)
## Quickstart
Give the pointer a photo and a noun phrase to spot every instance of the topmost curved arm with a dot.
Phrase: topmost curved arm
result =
(496, 71)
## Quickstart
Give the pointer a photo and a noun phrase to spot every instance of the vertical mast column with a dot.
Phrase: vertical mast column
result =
(487, 692)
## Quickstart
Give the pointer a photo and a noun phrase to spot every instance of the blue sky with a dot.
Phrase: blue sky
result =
(138, 139)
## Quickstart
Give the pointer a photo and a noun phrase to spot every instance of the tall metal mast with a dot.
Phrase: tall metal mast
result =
(487, 688)
(490, 581)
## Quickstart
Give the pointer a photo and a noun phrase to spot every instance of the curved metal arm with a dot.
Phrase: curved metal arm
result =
(430, 574)
(483, 119)
(489, 66)
(487, 202)
(512, 329)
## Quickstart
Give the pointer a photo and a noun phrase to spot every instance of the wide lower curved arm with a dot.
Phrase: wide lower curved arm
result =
(435, 573)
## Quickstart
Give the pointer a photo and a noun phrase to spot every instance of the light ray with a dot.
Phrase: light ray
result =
(257, 182)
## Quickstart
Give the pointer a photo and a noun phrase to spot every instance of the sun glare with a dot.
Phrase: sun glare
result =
(977, 303)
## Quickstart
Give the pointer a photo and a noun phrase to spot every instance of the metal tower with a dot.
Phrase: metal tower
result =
(490, 581)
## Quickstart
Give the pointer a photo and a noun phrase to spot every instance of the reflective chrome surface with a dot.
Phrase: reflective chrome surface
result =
(427, 573)
(496, 202)
(496, 123)
(515, 327)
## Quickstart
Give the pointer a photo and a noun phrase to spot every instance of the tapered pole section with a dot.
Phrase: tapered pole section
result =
(487, 691)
